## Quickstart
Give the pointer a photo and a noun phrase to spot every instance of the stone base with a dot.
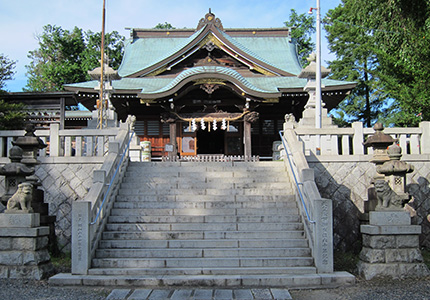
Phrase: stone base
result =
(23, 247)
(393, 270)
(391, 247)
(39, 272)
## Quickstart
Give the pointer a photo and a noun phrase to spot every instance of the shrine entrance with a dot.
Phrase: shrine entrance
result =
(210, 142)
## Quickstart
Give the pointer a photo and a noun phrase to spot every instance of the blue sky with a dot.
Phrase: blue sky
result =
(22, 20)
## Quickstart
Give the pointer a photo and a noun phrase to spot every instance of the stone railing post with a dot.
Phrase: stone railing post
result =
(81, 252)
(54, 140)
(358, 138)
(323, 235)
(425, 138)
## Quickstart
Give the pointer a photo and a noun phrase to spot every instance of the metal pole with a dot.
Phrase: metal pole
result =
(102, 48)
(318, 71)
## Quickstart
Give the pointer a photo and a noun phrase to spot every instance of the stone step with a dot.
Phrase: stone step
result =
(202, 271)
(129, 191)
(204, 198)
(197, 262)
(288, 217)
(290, 280)
(284, 205)
(202, 211)
(204, 226)
(202, 244)
(273, 280)
(231, 173)
(197, 192)
(196, 235)
(203, 253)
(208, 166)
(180, 185)
(165, 179)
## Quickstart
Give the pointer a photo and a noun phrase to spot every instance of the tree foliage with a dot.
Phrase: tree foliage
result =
(7, 67)
(11, 115)
(302, 27)
(66, 57)
(384, 46)
(164, 25)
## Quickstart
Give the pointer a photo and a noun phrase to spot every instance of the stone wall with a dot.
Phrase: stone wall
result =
(346, 183)
(63, 184)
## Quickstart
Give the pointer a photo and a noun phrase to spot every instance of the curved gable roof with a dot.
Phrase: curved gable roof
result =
(274, 55)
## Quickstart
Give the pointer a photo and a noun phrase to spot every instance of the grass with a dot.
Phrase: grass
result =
(345, 261)
(426, 255)
(62, 262)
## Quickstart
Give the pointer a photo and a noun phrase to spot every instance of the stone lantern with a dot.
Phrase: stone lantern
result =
(309, 73)
(380, 143)
(30, 145)
(15, 173)
(390, 241)
(395, 172)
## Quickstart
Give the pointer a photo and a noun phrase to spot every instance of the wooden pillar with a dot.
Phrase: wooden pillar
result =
(62, 112)
(172, 129)
(247, 138)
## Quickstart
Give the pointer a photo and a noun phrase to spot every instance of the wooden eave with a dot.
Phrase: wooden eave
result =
(223, 77)
(222, 43)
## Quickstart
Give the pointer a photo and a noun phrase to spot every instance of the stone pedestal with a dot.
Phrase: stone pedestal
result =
(23, 247)
(391, 247)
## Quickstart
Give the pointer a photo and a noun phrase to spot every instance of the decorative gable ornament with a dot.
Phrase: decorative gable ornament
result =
(210, 19)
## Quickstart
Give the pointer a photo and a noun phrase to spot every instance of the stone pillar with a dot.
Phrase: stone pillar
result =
(23, 247)
(391, 247)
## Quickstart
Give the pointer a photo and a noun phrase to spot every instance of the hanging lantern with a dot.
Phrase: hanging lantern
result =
(223, 124)
(202, 124)
(214, 125)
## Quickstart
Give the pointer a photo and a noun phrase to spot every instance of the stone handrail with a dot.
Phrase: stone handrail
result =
(320, 232)
(85, 232)
(64, 143)
(349, 141)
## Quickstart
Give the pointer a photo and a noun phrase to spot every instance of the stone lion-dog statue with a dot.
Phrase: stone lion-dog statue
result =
(21, 200)
(387, 198)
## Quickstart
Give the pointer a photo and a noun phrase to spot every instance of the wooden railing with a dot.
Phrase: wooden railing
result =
(349, 141)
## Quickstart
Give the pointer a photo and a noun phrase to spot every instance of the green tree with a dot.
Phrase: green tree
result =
(11, 115)
(355, 61)
(66, 57)
(302, 27)
(7, 67)
(392, 38)
(164, 26)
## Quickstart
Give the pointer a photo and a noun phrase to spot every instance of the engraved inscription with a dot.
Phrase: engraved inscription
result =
(324, 234)
(80, 233)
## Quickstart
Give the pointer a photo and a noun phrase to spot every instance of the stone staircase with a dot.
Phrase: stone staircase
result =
(204, 224)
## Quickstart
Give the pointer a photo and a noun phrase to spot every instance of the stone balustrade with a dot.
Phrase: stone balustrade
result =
(64, 143)
(349, 141)
(318, 225)
(89, 215)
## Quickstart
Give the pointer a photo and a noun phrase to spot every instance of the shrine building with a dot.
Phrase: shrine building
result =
(210, 90)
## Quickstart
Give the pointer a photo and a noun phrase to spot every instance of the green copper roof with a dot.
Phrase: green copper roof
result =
(278, 51)
(142, 53)
(145, 52)
(153, 85)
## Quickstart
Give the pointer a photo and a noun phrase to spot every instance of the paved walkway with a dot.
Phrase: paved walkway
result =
(199, 294)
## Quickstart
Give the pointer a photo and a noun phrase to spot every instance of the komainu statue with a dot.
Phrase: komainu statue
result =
(21, 200)
(387, 198)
